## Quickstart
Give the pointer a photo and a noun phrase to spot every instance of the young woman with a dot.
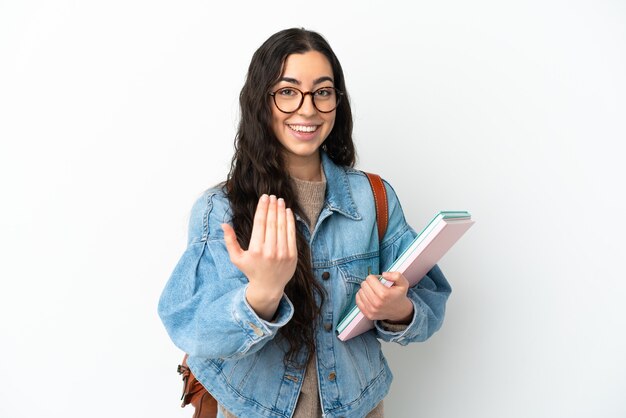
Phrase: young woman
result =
(276, 253)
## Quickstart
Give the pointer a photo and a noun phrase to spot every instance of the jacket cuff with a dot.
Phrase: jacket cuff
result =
(401, 333)
(255, 327)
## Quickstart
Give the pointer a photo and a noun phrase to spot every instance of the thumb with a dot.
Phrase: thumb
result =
(232, 245)
(397, 278)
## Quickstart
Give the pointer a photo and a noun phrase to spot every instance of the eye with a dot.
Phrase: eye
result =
(287, 92)
(325, 92)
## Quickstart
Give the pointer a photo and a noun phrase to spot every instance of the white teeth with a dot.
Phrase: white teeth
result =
(303, 128)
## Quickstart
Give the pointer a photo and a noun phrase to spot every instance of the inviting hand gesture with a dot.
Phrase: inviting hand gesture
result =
(271, 258)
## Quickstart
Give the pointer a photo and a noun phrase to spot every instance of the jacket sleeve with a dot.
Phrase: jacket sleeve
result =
(203, 305)
(428, 296)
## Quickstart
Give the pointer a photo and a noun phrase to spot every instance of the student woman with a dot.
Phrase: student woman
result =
(278, 250)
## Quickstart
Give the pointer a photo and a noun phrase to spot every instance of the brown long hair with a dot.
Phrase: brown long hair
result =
(258, 167)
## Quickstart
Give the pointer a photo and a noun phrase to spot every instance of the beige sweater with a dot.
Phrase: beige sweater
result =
(311, 199)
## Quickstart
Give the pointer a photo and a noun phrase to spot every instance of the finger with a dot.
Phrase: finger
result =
(362, 305)
(291, 233)
(369, 297)
(397, 278)
(232, 245)
(281, 229)
(270, 225)
(376, 286)
(358, 299)
(258, 227)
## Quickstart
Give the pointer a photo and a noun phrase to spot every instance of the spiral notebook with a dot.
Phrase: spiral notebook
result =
(430, 245)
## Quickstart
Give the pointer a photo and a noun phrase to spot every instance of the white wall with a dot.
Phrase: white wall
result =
(115, 115)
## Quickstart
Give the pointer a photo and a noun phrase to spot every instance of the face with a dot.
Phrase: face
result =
(302, 132)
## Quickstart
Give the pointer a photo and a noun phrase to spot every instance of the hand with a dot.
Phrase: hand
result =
(377, 301)
(271, 258)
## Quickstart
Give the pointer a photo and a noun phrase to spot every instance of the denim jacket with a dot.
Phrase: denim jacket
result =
(238, 356)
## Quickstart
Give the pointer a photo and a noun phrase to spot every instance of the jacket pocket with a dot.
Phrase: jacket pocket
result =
(362, 358)
(238, 372)
(354, 272)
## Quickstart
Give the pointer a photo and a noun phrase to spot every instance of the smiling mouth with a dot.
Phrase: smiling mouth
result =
(304, 128)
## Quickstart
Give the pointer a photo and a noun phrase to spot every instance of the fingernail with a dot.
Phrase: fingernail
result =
(264, 197)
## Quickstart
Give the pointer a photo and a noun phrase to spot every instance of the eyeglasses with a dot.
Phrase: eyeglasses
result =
(290, 99)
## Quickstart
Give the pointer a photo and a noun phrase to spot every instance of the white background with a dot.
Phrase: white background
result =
(116, 115)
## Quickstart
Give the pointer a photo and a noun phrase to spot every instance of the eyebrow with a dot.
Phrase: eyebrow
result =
(316, 81)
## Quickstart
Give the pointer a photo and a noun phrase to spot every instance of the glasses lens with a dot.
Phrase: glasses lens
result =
(325, 99)
(288, 99)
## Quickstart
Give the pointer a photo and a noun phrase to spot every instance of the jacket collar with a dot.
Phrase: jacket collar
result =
(338, 193)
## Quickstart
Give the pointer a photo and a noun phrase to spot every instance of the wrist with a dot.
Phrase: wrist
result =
(264, 293)
(263, 301)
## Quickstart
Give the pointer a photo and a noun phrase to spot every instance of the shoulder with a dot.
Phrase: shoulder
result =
(360, 185)
(396, 221)
(209, 211)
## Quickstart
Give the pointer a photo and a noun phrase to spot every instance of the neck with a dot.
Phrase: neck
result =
(308, 169)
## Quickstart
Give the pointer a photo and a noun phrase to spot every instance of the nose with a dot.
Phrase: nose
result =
(308, 107)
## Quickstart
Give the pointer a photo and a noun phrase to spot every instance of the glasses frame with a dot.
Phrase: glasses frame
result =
(303, 94)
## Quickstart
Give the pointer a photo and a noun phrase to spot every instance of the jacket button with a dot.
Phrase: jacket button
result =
(257, 330)
(326, 275)
(332, 376)
(328, 326)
